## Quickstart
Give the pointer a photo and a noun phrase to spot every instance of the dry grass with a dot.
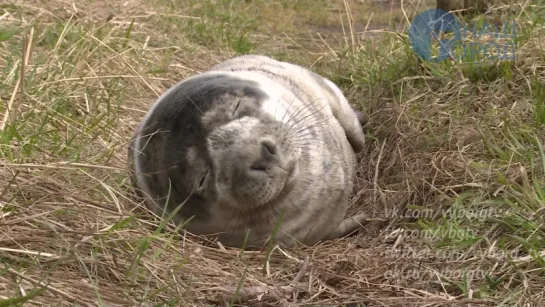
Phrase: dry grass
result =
(467, 147)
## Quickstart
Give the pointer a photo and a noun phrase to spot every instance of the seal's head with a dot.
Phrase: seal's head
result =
(253, 156)
(216, 143)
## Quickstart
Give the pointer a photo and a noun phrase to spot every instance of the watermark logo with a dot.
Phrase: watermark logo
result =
(485, 40)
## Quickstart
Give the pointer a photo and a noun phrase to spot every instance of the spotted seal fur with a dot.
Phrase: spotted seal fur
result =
(247, 146)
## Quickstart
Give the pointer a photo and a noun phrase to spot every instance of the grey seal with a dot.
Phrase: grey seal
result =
(250, 148)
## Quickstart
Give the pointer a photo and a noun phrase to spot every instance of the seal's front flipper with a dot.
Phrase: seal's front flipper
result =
(362, 118)
(350, 119)
(344, 112)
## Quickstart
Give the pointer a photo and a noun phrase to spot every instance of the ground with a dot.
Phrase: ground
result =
(454, 162)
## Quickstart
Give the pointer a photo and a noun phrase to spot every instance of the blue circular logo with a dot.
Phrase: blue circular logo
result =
(429, 25)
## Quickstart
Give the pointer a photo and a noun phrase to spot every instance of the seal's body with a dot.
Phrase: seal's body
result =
(250, 148)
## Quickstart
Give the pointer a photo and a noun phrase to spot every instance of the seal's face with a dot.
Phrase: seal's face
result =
(254, 158)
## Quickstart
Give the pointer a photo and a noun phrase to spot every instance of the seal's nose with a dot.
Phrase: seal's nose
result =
(268, 148)
(268, 155)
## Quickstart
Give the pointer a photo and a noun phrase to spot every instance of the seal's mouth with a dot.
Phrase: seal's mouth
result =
(292, 170)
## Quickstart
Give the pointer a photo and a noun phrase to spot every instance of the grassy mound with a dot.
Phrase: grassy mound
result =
(455, 160)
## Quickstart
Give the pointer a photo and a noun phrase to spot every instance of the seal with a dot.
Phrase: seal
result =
(250, 149)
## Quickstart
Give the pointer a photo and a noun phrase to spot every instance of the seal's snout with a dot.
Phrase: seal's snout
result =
(268, 156)
(268, 148)
(268, 168)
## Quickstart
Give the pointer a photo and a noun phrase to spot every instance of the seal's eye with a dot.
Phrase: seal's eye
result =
(236, 108)
(203, 178)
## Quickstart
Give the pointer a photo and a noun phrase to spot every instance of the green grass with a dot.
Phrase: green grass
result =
(458, 144)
